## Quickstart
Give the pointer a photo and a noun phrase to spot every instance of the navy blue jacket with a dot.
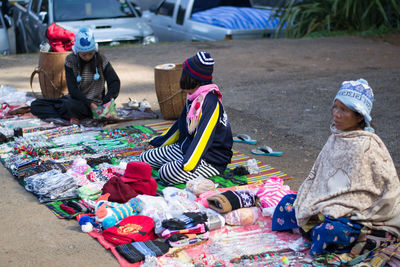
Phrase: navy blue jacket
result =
(212, 140)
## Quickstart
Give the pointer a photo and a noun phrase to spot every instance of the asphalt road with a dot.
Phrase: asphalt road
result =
(279, 91)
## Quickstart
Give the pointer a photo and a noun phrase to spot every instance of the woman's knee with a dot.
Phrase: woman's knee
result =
(150, 158)
(164, 175)
(142, 156)
(170, 173)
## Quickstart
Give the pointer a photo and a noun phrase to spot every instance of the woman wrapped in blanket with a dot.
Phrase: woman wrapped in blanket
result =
(199, 143)
(353, 186)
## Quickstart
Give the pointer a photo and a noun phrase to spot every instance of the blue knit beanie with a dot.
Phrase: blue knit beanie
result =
(84, 40)
(200, 66)
(358, 96)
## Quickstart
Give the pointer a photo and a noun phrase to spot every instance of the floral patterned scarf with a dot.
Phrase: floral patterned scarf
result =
(194, 113)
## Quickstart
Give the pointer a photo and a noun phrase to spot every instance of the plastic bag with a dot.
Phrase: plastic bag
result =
(178, 205)
(200, 185)
(170, 192)
(242, 216)
(214, 220)
(156, 208)
(252, 166)
(52, 186)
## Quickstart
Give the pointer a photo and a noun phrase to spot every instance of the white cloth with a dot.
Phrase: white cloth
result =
(353, 177)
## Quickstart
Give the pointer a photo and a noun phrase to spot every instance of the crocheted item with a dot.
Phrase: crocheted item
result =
(110, 213)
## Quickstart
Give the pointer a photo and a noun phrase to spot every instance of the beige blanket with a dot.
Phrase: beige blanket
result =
(354, 177)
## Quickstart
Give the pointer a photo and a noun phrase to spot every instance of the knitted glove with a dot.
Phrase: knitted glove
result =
(232, 200)
(186, 220)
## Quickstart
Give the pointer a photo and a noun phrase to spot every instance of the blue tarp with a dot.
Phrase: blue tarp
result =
(237, 18)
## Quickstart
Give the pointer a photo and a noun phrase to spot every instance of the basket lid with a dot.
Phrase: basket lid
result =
(166, 66)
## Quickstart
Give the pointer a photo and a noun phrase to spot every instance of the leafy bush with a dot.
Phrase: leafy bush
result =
(301, 18)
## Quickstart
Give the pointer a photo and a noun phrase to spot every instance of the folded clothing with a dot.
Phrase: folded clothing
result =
(232, 200)
(77, 206)
(131, 229)
(186, 220)
(137, 251)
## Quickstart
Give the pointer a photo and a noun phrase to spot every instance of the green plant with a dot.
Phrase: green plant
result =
(301, 18)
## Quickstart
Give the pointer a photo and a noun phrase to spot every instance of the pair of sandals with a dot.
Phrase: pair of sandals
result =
(262, 150)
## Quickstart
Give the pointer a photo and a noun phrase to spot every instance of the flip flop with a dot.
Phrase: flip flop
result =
(266, 151)
(244, 138)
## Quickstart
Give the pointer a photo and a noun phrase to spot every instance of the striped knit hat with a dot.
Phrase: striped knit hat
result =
(200, 66)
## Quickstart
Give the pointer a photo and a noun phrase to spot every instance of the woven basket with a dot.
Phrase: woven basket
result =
(51, 73)
(171, 97)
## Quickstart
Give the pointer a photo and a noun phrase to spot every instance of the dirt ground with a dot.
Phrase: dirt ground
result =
(279, 91)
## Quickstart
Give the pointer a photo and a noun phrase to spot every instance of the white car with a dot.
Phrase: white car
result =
(112, 21)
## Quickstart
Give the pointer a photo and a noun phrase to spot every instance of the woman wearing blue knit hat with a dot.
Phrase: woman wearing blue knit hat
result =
(87, 71)
(199, 144)
(353, 190)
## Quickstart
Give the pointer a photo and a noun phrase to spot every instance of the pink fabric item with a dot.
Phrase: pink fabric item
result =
(272, 192)
(202, 199)
(198, 229)
(198, 97)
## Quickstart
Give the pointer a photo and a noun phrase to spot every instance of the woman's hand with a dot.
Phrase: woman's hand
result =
(96, 110)
(93, 106)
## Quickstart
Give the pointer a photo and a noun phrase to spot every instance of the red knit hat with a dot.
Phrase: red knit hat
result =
(138, 176)
(119, 191)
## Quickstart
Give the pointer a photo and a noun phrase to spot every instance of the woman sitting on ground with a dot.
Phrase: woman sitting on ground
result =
(353, 186)
(199, 143)
(86, 72)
